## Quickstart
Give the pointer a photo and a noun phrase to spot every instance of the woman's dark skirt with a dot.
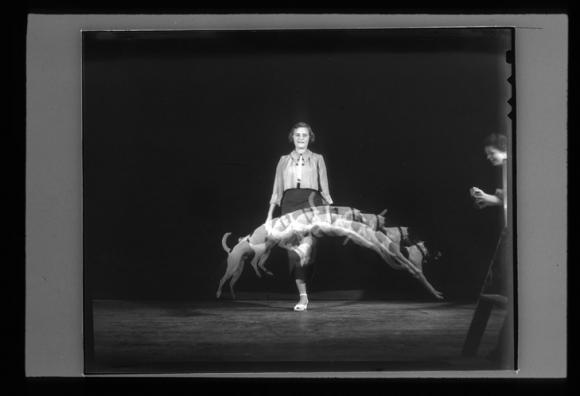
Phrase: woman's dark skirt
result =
(296, 199)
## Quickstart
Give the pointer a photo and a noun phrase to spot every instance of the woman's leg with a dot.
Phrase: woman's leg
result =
(298, 271)
(303, 300)
(303, 274)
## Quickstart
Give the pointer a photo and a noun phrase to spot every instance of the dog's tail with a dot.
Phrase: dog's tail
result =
(224, 242)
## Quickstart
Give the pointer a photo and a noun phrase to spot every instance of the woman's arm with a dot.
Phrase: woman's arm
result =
(483, 200)
(323, 178)
(271, 212)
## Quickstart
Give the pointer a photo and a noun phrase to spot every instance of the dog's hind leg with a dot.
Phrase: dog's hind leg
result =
(223, 279)
(254, 264)
(221, 285)
(235, 278)
(258, 252)
(261, 262)
(231, 267)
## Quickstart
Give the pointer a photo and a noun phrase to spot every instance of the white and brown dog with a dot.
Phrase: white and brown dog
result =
(329, 221)
(257, 245)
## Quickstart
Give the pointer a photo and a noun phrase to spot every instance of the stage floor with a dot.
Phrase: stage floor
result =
(266, 335)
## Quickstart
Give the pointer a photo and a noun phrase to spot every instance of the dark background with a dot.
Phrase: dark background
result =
(182, 132)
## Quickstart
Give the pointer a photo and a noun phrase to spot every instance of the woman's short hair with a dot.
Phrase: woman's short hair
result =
(497, 141)
(302, 125)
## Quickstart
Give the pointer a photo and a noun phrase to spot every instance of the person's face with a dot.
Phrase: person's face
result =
(301, 138)
(495, 156)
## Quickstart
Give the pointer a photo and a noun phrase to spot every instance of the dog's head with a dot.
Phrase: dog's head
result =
(420, 254)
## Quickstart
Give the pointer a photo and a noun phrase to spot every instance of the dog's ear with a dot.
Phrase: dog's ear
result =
(433, 254)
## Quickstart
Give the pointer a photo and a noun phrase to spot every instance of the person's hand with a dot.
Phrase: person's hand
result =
(484, 200)
(476, 192)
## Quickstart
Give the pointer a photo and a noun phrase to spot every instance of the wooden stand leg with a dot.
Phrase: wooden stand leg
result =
(489, 298)
(503, 353)
(477, 327)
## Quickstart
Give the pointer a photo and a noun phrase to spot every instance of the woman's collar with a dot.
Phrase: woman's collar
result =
(307, 154)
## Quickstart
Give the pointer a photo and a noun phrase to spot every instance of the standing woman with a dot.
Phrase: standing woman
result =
(298, 175)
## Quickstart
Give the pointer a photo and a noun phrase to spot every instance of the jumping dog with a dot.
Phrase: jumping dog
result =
(257, 246)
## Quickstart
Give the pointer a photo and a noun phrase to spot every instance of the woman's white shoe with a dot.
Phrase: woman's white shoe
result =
(301, 306)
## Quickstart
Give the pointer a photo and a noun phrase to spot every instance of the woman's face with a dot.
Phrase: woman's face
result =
(301, 137)
(495, 156)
